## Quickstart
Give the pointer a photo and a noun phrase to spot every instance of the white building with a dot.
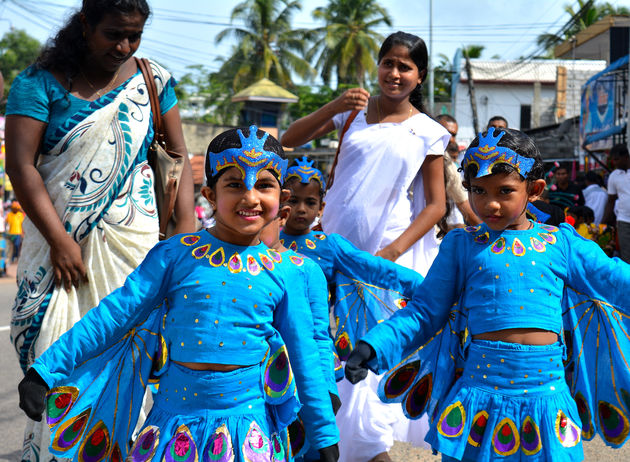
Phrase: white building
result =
(528, 94)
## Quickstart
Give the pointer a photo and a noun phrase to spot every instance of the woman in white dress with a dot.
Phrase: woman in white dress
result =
(387, 196)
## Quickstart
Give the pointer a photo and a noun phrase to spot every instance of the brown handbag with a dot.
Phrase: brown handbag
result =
(167, 165)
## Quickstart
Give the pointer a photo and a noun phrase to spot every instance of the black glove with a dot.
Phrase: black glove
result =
(329, 454)
(356, 365)
(335, 401)
(32, 391)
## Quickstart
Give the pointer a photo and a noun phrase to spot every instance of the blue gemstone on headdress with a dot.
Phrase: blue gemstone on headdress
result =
(487, 154)
(251, 158)
(305, 172)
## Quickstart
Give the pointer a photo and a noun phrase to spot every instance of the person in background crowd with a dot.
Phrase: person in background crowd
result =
(498, 122)
(460, 211)
(619, 198)
(563, 192)
(13, 227)
(595, 196)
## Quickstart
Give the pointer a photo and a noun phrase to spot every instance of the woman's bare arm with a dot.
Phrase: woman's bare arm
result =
(23, 139)
(435, 198)
(320, 122)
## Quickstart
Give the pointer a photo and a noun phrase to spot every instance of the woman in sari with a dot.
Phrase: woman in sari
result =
(78, 129)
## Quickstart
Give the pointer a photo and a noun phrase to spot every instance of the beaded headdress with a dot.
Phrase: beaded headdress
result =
(305, 172)
(251, 158)
(487, 154)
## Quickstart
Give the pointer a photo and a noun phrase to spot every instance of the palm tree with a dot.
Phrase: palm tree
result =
(473, 51)
(588, 13)
(266, 45)
(347, 45)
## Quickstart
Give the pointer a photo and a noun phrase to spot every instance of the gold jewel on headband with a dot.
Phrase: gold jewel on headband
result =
(488, 154)
(251, 158)
(305, 172)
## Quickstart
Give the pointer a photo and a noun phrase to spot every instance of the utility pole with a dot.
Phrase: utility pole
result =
(431, 71)
(471, 92)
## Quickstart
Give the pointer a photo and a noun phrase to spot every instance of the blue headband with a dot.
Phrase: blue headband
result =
(251, 158)
(305, 172)
(488, 154)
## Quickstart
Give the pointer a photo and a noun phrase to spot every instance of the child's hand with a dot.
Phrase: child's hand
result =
(356, 365)
(353, 99)
(32, 391)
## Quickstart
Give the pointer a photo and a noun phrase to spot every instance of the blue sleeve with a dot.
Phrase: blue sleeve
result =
(127, 306)
(28, 96)
(370, 269)
(592, 272)
(426, 312)
(168, 99)
(318, 298)
(293, 320)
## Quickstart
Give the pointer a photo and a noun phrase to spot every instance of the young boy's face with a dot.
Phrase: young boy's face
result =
(306, 205)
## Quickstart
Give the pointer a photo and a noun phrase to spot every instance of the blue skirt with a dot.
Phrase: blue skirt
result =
(210, 416)
(511, 404)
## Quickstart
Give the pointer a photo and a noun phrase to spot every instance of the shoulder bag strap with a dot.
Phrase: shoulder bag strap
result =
(145, 67)
(331, 177)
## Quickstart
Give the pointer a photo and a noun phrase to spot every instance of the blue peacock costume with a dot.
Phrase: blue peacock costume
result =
(503, 401)
(193, 299)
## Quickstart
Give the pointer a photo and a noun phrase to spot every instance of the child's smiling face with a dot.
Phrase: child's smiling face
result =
(306, 205)
(241, 214)
(500, 199)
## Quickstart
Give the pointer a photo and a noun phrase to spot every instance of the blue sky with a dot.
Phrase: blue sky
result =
(182, 32)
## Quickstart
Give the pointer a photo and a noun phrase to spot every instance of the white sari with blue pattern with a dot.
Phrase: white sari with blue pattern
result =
(102, 188)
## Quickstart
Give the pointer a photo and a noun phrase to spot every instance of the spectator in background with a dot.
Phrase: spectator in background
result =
(619, 198)
(498, 122)
(563, 192)
(595, 196)
(14, 232)
(462, 213)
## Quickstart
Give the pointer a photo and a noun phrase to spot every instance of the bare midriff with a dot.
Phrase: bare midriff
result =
(523, 336)
(209, 366)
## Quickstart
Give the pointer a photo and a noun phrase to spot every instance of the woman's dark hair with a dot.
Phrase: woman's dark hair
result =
(66, 51)
(418, 54)
(231, 140)
(518, 142)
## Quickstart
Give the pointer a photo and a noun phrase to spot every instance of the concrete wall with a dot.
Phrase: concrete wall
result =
(500, 99)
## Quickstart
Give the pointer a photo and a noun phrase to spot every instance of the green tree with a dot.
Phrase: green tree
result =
(17, 51)
(267, 46)
(347, 45)
(443, 75)
(473, 51)
(208, 90)
(588, 13)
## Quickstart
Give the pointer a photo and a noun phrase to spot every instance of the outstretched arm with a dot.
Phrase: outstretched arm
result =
(425, 314)
(320, 122)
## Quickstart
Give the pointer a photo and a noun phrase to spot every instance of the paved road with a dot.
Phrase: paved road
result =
(12, 420)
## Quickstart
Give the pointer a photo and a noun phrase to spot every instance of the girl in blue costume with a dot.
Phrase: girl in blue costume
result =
(511, 277)
(380, 286)
(317, 292)
(226, 389)
(365, 289)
